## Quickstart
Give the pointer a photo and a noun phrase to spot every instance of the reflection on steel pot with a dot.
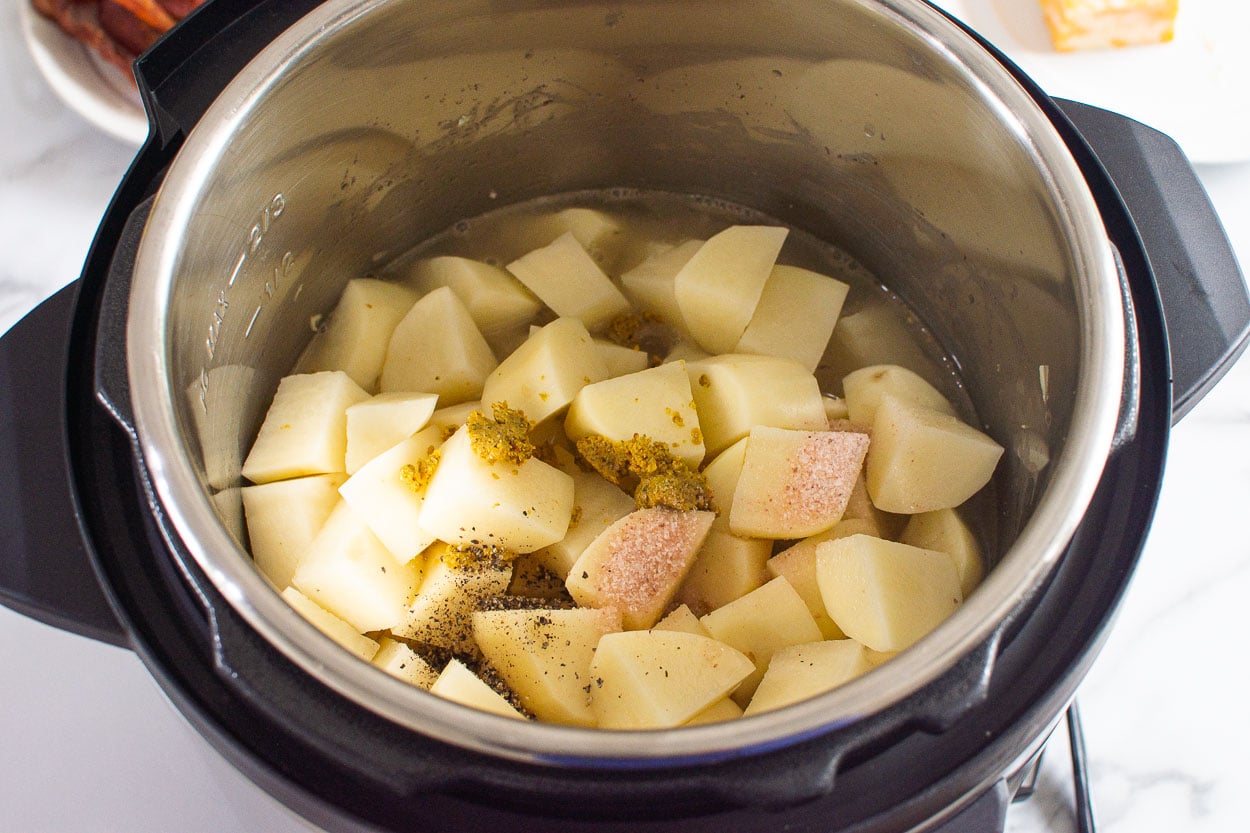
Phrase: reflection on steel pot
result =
(361, 128)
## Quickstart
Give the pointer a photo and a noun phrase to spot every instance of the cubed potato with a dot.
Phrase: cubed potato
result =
(659, 679)
(533, 579)
(597, 504)
(655, 403)
(795, 483)
(686, 351)
(795, 316)
(567, 279)
(722, 480)
(305, 428)
(389, 505)
(356, 334)
(637, 563)
(542, 376)
(496, 301)
(544, 656)
(945, 531)
(458, 683)
(331, 625)
(682, 618)
(922, 460)
(763, 621)
(350, 573)
(283, 517)
(384, 421)
(884, 594)
(726, 568)
(798, 564)
(735, 392)
(441, 613)
(520, 508)
(835, 408)
(875, 334)
(865, 387)
(452, 417)
(650, 284)
(602, 235)
(719, 288)
(718, 712)
(860, 507)
(400, 661)
(621, 360)
(802, 671)
(438, 349)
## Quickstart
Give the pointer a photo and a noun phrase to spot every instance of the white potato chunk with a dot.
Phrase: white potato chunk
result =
(682, 618)
(331, 625)
(383, 421)
(720, 711)
(655, 403)
(458, 683)
(802, 671)
(441, 614)
(943, 530)
(355, 336)
(350, 573)
(884, 594)
(400, 661)
(283, 517)
(719, 287)
(865, 387)
(795, 316)
(763, 622)
(597, 504)
(726, 568)
(722, 475)
(496, 301)
(568, 280)
(542, 376)
(438, 349)
(735, 392)
(650, 283)
(520, 508)
(305, 428)
(795, 483)
(544, 656)
(798, 564)
(389, 504)
(922, 460)
(835, 408)
(874, 335)
(451, 417)
(660, 679)
(620, 359)
(637, 564)
(602, 235)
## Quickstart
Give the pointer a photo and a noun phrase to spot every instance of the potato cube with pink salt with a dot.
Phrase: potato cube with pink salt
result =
(795, 483)
(637, 563)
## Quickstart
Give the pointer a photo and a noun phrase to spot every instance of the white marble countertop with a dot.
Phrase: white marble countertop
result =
(87, 742)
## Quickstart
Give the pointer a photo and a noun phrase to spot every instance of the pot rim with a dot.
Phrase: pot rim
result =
(1022, 571)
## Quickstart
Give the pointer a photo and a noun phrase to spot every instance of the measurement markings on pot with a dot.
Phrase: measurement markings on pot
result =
(255, 237)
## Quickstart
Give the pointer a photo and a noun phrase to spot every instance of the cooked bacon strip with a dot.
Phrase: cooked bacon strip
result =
(148, 11)
(117, 30)
(80, 19)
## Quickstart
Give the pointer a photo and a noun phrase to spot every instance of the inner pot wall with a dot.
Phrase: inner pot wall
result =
(372, 125)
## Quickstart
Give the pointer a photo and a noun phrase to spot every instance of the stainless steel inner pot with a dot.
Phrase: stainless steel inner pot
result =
(876, 125)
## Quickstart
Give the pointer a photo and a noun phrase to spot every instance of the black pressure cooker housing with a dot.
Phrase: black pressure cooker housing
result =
(946, 758)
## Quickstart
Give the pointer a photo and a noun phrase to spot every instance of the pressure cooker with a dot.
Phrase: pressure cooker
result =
(1066, 258)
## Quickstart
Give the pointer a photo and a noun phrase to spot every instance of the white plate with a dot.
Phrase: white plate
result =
(88, 84)
(1196, 89)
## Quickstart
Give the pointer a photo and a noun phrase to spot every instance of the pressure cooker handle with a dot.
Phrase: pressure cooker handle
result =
(186, 70)
(45, 568)
(1204, 297)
